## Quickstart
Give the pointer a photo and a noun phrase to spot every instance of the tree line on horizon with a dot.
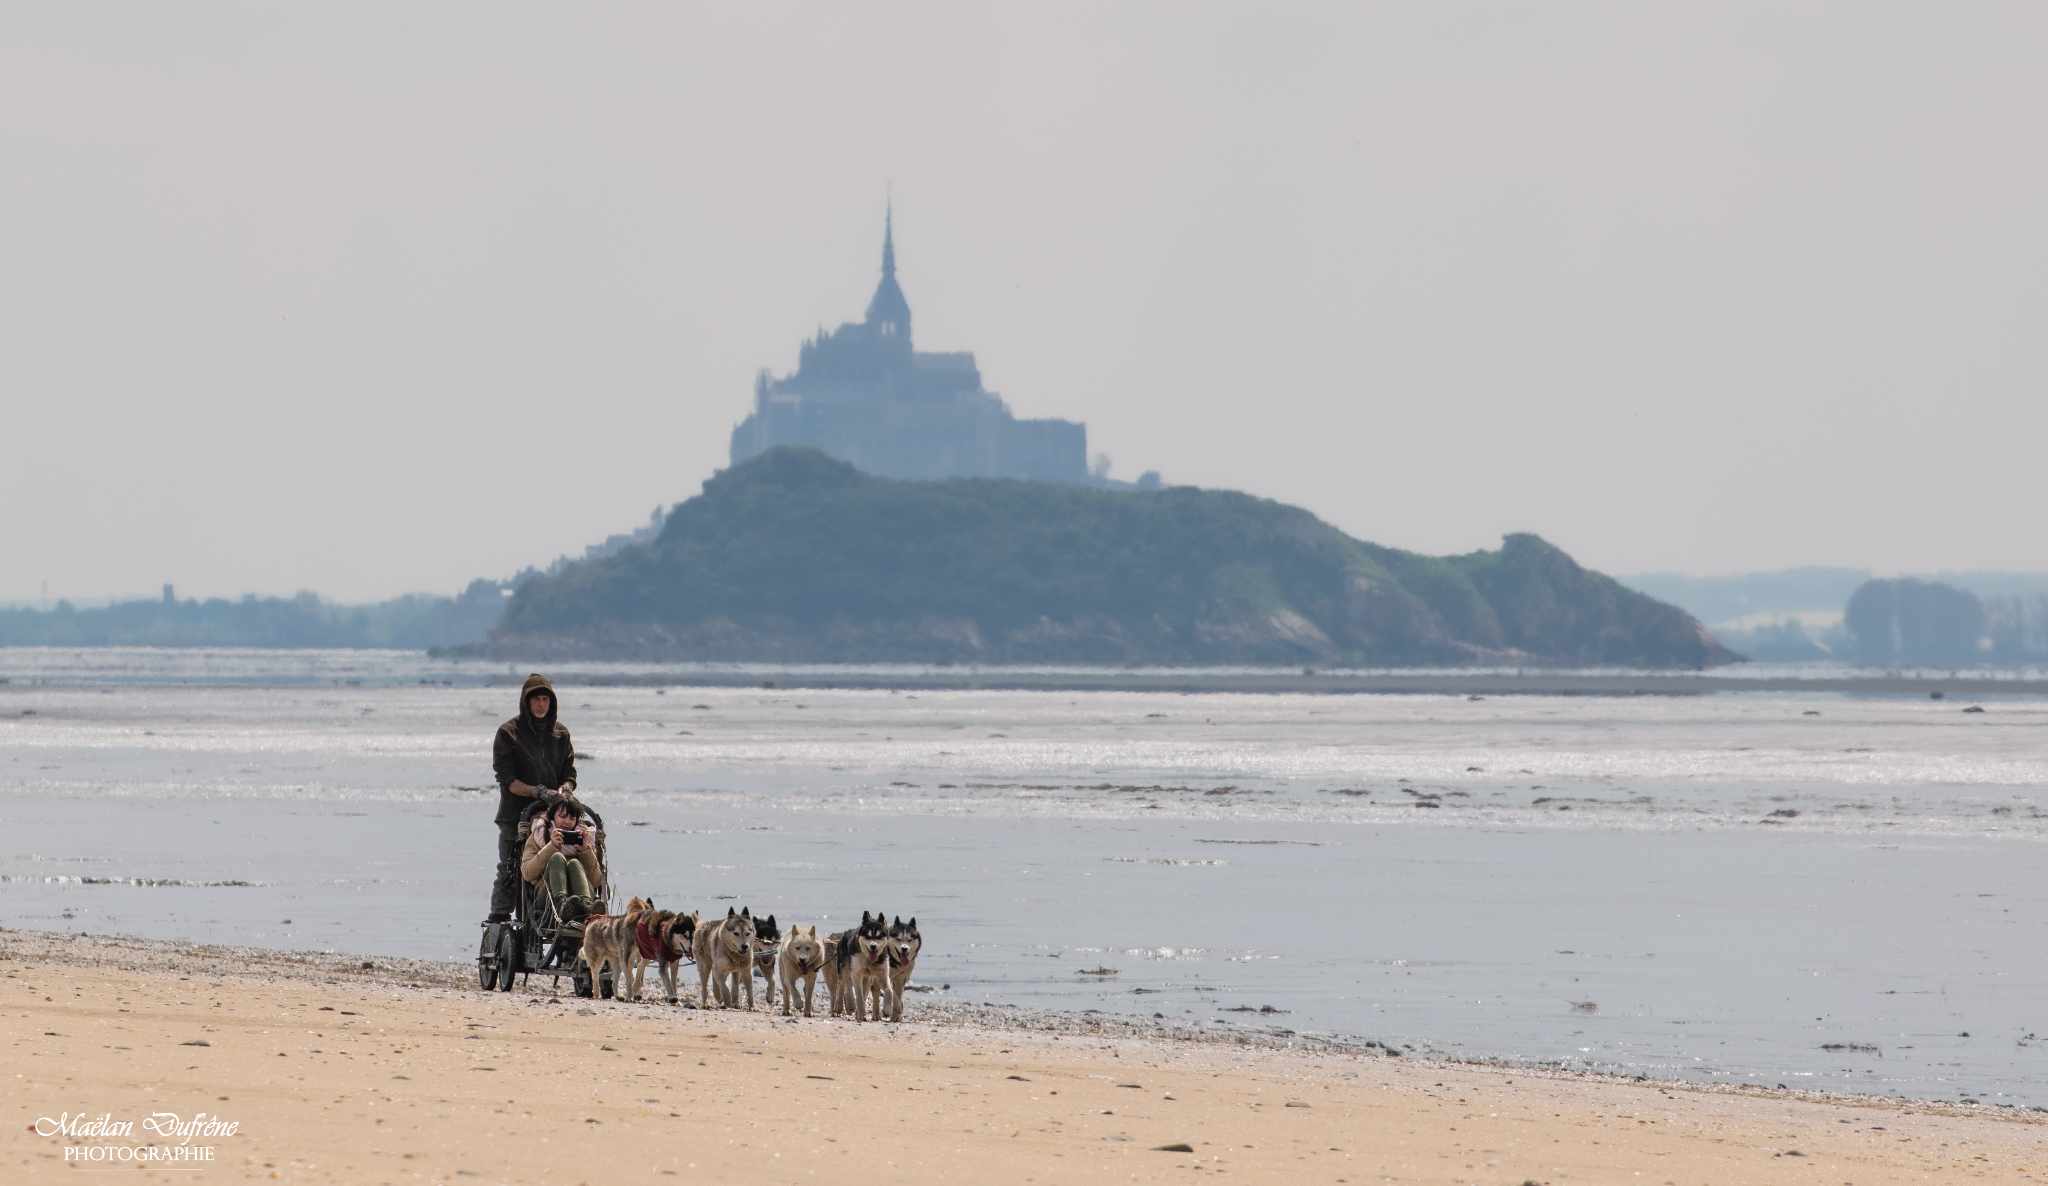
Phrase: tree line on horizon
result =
(409, 622)
(415, 621)
(1911, 621)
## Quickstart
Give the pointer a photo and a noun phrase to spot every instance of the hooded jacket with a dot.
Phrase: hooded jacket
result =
(533, 750)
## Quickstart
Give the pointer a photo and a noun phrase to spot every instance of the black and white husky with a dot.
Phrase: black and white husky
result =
(904, 945)
(767, 942)
(857, 967)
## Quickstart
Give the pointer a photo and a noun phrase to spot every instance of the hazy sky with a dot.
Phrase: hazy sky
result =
(365, 299)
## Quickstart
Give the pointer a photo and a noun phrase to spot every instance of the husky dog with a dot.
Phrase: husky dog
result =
(725, 954)
(767, 936)
(608, 943)
(663, 938)
(858, 969)
(838, 952)
(801, 958)
(904, 944)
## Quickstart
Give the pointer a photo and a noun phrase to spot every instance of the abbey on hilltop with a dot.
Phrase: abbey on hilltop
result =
(863, 394)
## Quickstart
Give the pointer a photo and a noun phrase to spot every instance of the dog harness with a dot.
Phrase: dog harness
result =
(651, 940)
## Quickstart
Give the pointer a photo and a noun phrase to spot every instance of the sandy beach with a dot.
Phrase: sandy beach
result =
(364, 1070)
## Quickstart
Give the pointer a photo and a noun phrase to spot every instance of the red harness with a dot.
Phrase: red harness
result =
(650, 940)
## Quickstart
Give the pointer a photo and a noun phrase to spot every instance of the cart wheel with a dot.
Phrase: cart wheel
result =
(487, 958)
(508, 960)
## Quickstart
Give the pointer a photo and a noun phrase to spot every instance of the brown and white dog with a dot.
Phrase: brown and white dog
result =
(856, 969)
(608, 943)
(664, 939)
(801, 959)
(725, 953)
(904, 945)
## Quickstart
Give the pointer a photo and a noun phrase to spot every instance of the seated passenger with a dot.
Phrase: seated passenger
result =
(565, 856)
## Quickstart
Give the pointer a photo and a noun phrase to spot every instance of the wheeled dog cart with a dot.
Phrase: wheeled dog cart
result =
(540, 938)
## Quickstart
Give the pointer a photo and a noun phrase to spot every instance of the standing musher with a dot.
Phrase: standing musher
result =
(534, 759)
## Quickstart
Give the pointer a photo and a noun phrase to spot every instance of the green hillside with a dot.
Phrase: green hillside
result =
(797, 557)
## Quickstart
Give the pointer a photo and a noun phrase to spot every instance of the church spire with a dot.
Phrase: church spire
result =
(888, 311)
(889, 240)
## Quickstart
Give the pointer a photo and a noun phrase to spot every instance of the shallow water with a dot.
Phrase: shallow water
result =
(1712, 887)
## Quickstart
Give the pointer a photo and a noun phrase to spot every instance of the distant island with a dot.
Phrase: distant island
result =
(797, 557)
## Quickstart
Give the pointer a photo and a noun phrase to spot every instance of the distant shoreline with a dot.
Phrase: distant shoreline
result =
(28, 668)
(1447, 683)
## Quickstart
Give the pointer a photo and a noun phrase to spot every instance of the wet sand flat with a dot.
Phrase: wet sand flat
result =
(398, 1072)
(1836, 893)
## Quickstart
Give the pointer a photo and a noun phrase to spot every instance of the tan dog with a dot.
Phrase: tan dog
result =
(608, 943)
(725, 954)
(800, 961)
(664, 939)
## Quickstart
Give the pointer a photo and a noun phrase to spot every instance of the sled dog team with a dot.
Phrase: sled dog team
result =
(866, 968)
